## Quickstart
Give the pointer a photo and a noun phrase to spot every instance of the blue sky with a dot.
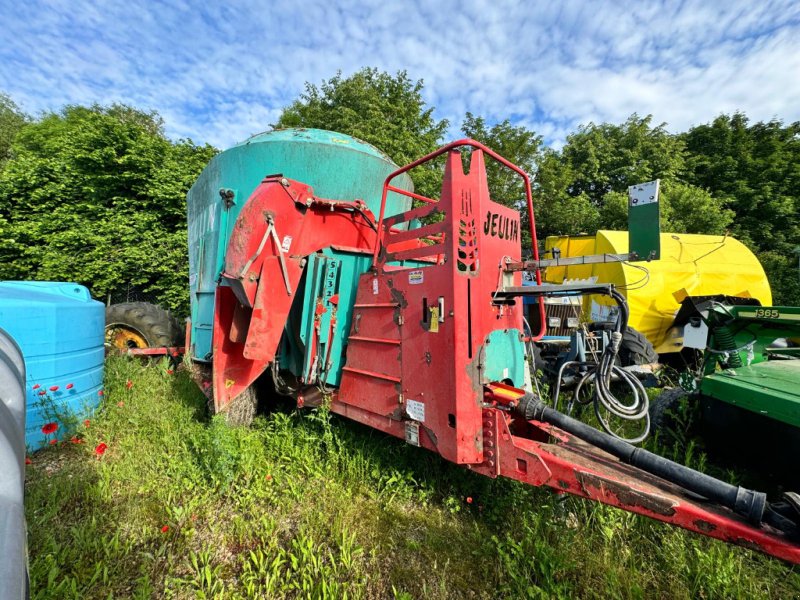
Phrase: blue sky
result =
(218, 73)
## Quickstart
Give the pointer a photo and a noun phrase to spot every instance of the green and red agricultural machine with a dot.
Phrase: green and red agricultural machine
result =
(314, 264)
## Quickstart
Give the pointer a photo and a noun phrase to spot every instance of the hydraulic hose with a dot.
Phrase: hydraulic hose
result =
(748, 503)
(600, 374)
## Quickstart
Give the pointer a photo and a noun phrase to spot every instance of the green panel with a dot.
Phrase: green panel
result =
(505, 357)
(770, 388)
(644, 229)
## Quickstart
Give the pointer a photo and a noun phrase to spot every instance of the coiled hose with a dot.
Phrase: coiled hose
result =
(600, 374)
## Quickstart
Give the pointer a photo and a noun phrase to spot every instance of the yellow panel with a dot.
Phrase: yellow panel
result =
(699, 264)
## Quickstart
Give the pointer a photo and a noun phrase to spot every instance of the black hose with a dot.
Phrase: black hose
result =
(600, 374)
(748, 503)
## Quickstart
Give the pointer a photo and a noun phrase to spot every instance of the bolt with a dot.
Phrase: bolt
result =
(284, 182)
(309, 201)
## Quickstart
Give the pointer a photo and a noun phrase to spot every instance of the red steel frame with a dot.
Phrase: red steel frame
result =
(419, 343)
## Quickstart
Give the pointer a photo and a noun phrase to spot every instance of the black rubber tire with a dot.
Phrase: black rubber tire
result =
(242, 409)
(157, 326)
(635, 349)
(662, 414)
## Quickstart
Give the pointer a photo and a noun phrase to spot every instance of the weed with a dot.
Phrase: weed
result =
(307, 505)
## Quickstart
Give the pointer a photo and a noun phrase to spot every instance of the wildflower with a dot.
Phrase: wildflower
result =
(76, 440)
(28, 460)
(42, 392)
(69, 386)
(268, 477)
(86, 423)
(469, 499)
(100, 449)
(36, 386)
(206, 385)
(100, 393)
(53, 388)
(53, 442)
(129, 384)
(170, 371)
(120, 404)
(49, 428)
(193, 517)
(165, 529)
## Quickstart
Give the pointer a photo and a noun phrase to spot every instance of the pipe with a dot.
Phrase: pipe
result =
(748, 503)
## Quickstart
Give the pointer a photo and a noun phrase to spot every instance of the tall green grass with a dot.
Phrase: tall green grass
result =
(305, 505)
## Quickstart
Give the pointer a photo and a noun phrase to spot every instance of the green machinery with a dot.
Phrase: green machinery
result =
(746, 382)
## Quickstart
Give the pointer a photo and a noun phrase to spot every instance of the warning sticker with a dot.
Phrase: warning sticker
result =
(375, 286)
(416, 277)
(415, 410)
(287, 243)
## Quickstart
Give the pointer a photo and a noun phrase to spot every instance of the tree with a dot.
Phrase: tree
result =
(584, 187)
(97, 195)
(755, 169)
(11, 121)
(386, 111)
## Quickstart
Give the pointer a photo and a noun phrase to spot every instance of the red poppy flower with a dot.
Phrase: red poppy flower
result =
(268, 477)
(129, 384)
(49, 428)
(100, 449)
(120, 404)
(76, 440)
(42, 392)
(69, 386)
(165, 529)
(100, 393)
(28, 460)
(86, 423)
(469, 499)
(170, 371)
(53, 388)
(53, 442)
(36, 387)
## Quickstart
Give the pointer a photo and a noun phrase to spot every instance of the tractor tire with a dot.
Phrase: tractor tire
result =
(141, 325)
(635, 349)
(242, 409)
(662, 414)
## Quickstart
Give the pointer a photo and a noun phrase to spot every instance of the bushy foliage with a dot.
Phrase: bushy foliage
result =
(755, 170)
(97, 195)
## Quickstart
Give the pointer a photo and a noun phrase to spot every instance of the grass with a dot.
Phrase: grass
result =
(306, 505)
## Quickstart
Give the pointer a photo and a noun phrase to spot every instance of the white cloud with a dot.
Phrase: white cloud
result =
(220, 73)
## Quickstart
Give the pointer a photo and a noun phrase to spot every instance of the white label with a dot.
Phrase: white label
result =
(415, 410)
(644, 193)
(375, 286)
(416, 277)
(287, 243)
(412, 433)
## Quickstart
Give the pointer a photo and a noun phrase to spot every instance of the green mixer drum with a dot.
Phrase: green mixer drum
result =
(337, 166)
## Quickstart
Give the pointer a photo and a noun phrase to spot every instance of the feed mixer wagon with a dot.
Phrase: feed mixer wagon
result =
(315, 265)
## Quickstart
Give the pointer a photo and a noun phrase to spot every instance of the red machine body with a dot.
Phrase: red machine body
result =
(421, 362)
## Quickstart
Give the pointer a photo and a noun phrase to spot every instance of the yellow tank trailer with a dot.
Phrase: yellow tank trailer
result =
(690, 264)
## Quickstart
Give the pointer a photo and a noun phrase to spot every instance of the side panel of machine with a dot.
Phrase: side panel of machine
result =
(337, 166)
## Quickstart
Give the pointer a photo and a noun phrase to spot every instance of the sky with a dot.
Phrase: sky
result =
(220, 72)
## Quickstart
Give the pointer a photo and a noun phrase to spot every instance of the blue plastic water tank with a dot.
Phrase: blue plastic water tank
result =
(60, 330)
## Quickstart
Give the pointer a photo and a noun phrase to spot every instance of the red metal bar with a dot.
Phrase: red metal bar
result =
(163, 351)
(412, 195)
